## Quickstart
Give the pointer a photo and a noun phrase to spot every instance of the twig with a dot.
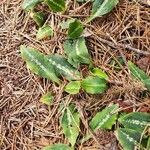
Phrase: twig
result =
(114, 45)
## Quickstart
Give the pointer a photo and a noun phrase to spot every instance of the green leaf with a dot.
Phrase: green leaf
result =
(30, 4)
(62, 67)
(102, 7)
(100, 73)
(105, 119)
(56, 5)
(128, 138)
(135, 120)
(77, 52)
(38, 63)
(75, 29)
(38, 17)
(44, 32)
(94, 85)
(47, 98)
(70, 123)
(57, 147)
(148, 144)
(73, 87)
(139, 74)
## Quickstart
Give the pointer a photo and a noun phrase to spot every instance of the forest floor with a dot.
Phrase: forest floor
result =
(26, 123)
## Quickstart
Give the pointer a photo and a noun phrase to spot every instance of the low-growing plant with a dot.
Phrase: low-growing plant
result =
(131, 128)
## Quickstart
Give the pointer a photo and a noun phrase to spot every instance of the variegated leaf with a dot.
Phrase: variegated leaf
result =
(128, 138)
(38, 63)
(136, 121)
(73, 87)
(77, 52)
(100, 73)
(70, 123)
(105, 119)
(94, 85)
(139, 74)
(56, 5)
(30, 4)
(75, 29)
(38, 17)
(102, 7)
(44, 32)
(47, 98)
(62, 67)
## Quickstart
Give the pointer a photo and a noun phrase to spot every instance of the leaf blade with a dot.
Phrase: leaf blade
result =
(102, 7)
(94, 85)
(57, 147)
(47, 99)
(73, 87)
(139, 74)
(70, 123)
(56, 5)
(62, 66)
(77, 52)
(44, 32)
(37, 63)
(129, 139)
(135, 120)
(105, 119)
(30, 4)
(75, 29)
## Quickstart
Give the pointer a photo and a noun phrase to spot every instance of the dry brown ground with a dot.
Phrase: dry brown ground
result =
(27, 124)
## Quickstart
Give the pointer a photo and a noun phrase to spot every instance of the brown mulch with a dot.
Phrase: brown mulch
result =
(27, 124)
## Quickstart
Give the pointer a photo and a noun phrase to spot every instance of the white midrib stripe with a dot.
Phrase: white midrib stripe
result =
(38, 63)
(61, 67)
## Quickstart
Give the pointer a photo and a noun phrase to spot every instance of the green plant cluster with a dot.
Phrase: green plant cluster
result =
(132, 128)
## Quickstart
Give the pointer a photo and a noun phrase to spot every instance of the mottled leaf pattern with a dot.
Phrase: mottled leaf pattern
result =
(56, 5)
(77, 52)
(38, 63)
(70, 123)
(139, 74)
(128, 138)
(94, 85)
(47, 98)
(135, 120)
(75, 29)
(38, 17)
(105, 119)
(100, 73)
(73, 87)
(62, 66)
(102, 7)
(30, 4)
(44, 32)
